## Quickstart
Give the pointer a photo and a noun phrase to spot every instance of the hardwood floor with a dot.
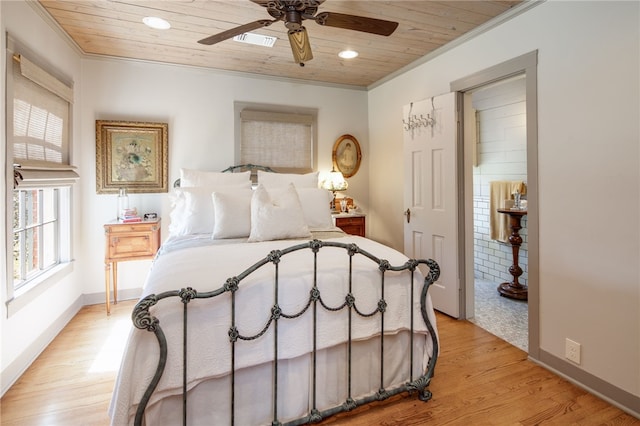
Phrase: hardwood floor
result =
(480, 380)
(72, 380)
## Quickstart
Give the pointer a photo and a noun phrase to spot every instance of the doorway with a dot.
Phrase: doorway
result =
(524, 70)
(499, 166)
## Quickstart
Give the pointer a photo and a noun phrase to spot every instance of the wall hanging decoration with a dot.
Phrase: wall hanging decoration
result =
(131, 155)
(347, 155)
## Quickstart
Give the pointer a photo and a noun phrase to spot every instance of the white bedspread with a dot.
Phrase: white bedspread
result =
(206, 267)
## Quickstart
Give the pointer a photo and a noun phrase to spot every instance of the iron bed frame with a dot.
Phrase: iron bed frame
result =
(144, 319)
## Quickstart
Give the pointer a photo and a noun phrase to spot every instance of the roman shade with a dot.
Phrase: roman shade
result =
(282, 141)
(39, 127)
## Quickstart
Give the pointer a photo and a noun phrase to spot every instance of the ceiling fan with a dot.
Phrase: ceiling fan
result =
(293, 12)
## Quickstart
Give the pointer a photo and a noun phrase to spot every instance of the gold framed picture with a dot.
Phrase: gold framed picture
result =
(346, 155)
(131, 155)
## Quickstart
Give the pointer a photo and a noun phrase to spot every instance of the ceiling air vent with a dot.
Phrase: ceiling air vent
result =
(257, 39)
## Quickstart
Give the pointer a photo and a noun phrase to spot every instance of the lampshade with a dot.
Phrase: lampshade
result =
(335, 182)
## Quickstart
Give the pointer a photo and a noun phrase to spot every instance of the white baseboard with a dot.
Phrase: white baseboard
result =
(97, 298)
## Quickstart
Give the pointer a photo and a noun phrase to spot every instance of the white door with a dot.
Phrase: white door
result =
(430, 193)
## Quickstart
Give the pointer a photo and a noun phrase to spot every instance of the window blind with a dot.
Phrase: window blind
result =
(34, 175)
(40, 126)
(282, 141)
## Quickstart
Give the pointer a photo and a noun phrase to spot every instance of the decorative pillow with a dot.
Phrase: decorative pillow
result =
(282, 180)
(277, 217)
(316, 208)
(189, 178)
(232, 214)
(192, 209)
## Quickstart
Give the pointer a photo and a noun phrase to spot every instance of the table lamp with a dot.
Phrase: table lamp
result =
(335, 182)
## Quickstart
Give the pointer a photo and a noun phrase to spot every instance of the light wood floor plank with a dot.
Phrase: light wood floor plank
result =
(479, 380)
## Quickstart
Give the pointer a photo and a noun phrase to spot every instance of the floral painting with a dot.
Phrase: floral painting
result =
(131, 155)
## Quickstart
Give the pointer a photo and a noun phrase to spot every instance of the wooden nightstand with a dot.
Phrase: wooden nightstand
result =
(351, 223)
(127, 241)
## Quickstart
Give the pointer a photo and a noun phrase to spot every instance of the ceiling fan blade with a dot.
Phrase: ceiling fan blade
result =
(235, 31)
(357, 23)
(300, 46)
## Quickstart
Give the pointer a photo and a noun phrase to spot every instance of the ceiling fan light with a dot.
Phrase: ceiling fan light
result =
(348, 54)
(300, 45)
(156, 23)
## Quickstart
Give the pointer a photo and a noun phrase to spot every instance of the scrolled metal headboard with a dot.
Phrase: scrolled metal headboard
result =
(238, 169)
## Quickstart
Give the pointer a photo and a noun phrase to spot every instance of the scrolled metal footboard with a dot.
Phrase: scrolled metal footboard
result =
(143, 319)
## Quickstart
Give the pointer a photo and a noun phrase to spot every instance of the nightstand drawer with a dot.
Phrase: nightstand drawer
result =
(350, 221)
(131, 244)
(124, 228)
(354, 225)
(130, 241)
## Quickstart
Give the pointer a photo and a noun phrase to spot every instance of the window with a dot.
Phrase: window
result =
(37, 247)
(38, 141)
(282, 140)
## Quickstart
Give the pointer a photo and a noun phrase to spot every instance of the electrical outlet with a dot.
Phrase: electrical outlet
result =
(572, 351)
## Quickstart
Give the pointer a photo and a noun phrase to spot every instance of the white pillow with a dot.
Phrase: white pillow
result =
(316, 208)
(282, 180)
(277, 217)
(192, 209)
(177, 212)
(232, 212)
(190, 178)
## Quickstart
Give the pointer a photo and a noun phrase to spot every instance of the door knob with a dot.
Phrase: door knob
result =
(408, 215)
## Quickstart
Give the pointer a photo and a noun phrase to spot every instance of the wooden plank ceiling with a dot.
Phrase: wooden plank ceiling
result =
(114, 28)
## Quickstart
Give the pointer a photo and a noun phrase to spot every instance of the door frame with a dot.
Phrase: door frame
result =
(525, 64)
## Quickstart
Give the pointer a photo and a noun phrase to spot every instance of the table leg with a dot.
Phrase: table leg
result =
(107, 286)
(115, 283)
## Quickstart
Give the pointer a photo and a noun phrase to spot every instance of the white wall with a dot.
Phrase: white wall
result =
(589, 162)
(27, 332)
(198, 105)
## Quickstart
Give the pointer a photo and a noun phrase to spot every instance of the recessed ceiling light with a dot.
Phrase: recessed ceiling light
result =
(157, 23)
(348, 54)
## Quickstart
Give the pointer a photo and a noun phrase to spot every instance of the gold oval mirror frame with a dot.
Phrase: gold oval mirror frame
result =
(346, 155)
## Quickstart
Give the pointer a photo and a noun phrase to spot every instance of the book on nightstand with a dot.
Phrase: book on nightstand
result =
(131, 219)
(129, 216)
